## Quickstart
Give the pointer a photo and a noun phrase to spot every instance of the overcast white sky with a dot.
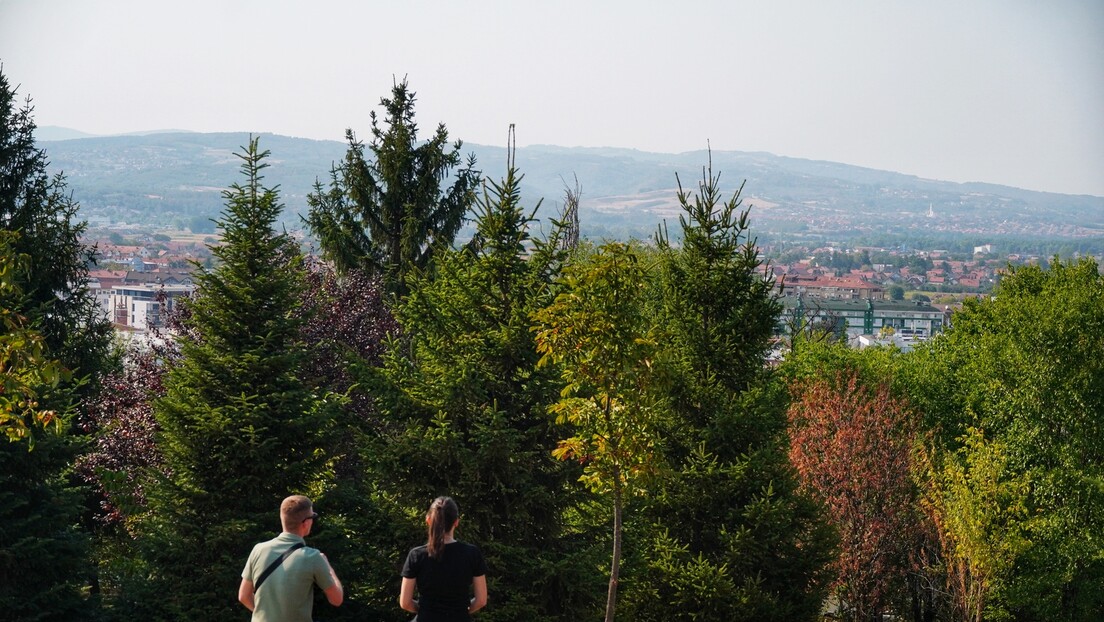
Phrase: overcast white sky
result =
(1002, 91)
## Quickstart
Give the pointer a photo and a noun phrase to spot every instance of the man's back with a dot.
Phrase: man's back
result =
(287, 595)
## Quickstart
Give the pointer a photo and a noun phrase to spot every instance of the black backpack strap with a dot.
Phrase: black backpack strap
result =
(276, 564)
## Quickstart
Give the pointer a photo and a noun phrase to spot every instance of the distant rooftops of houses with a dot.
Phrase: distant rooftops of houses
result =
(161, 277)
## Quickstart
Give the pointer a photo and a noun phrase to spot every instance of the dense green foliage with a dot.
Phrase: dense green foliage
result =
(44, 560)
(470, 412)
(724, 534)
(1007, 460)
(239, 428)
(50, 323)
(389, 215)
(555, 395)
(852, 440)
(43, 553)
(1013, 396)
(25, 371)
(597, 332)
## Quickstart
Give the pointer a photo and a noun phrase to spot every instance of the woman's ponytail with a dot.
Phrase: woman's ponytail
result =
(443, 514)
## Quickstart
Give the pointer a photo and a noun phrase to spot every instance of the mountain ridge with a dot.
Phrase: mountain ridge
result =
(168, 177)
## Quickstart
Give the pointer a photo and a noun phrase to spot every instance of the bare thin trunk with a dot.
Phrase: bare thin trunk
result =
(615, 565)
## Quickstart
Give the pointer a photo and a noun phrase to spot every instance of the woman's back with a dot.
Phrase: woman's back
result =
(444, 584)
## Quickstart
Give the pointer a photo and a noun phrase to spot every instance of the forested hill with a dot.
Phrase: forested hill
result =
(176, 178)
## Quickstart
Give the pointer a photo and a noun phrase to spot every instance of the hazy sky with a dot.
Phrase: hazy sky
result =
(1002, 91)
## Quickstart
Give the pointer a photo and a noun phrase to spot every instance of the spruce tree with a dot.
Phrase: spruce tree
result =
(727, 535)
(389, 215)
(239, 428)
(41, 551)
(41, 211)
(43, 561)
(472, 412)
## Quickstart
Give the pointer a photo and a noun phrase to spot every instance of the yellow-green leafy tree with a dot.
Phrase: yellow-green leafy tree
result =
(1013, 396)
(597, 333)
(25, 370)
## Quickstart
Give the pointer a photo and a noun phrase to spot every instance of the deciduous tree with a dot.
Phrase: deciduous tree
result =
(1013, 394)
(851, 444)
(25, 371)
(598, 335)
(123, 454)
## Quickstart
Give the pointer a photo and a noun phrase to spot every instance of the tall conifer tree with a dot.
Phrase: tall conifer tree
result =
(389, 215)
(42, 553)
(240, 430)
(472, 410)
(729, 537)
(40, 209)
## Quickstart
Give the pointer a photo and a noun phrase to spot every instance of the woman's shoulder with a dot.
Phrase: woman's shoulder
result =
(416, 556)
(468, 548)
(474, 558)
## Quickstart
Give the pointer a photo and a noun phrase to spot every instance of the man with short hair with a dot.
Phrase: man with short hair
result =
(286, 592)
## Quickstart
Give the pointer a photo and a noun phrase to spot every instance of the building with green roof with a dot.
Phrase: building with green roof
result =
(850, 318)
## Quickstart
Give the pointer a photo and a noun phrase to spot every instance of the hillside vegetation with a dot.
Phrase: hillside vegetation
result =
(174, 179)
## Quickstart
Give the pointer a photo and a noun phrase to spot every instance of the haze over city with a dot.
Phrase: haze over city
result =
(1000, 92)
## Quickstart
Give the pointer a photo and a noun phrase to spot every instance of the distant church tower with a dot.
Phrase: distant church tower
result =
(931, 213)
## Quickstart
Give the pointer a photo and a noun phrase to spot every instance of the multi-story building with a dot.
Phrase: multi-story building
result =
(141, 306)
(139, 300)
(850, 287)
(851, 318)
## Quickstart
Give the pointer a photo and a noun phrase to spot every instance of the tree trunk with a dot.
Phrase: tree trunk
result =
(615, 565)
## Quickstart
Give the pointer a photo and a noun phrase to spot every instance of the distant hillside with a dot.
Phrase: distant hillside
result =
(53, 132)
(177, 179)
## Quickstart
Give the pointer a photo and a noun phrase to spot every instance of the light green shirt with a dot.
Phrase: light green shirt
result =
(287, 595)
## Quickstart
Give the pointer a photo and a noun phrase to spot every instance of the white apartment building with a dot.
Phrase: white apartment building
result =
(140, 306)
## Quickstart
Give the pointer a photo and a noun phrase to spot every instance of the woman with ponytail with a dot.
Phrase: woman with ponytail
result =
(445, 571)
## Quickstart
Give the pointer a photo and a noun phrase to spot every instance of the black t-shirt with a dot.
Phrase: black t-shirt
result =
(444, 585)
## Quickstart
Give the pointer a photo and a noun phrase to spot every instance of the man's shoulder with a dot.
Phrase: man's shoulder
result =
(281, 543)
(265, 545)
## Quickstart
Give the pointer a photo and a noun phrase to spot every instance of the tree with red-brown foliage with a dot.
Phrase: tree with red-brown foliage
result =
(123, 445)
(346, 326)
(122, 454)
(851, 443)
